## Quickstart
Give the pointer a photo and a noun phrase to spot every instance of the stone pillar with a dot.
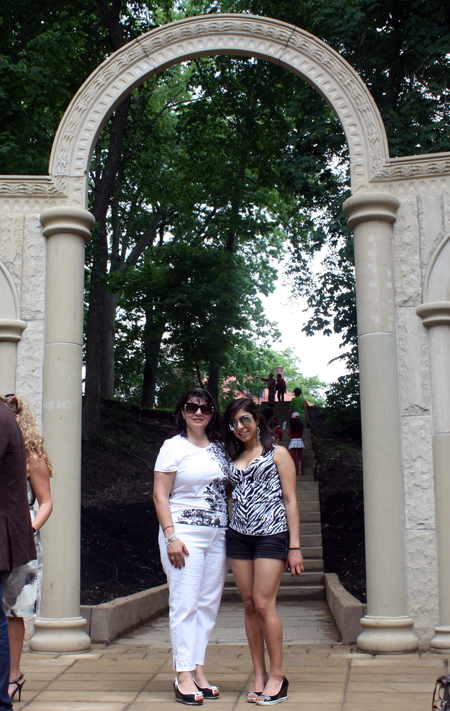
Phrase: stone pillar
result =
(436, 317)
(60, 628)
(387, 626)
(10, 333)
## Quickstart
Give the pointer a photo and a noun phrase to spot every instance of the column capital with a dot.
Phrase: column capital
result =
(434, 313)
(370, 206)
(67, 220)
(11, 329)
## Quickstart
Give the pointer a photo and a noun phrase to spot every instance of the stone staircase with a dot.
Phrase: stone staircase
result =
(310, 585)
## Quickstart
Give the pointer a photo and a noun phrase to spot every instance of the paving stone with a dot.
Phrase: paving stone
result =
(38, 705)
(135, 673)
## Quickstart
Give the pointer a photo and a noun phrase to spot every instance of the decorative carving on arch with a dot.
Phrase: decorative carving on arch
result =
(436, 285)
(236, 34)
(421, 166)
(31, 186)
(9, 298)
(10, 326)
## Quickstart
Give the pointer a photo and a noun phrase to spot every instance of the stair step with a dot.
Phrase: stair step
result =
(307, 485)
(304, 496)
(310, 577)
(311, 540)
(313, 564)
(311, 529)
(312, 551)
(306, 592)
(302, 592)
(309, 517)
(309, 506)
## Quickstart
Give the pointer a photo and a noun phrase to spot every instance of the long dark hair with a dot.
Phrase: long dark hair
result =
(233, 446)
(296, 426)
(213, 430)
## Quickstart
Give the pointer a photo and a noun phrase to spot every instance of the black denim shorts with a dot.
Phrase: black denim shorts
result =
(240, 545)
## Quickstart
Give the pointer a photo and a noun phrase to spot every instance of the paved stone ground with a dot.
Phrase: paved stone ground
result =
(135, 673)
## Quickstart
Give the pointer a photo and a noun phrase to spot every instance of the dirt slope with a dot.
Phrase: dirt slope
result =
(119, 528)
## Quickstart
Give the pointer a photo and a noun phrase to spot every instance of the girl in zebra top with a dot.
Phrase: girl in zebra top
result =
(263, 538)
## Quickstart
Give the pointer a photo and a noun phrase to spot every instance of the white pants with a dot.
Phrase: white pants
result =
(194, 592)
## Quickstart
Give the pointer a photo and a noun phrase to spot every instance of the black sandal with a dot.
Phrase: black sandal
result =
(266, 700)
(189, 699)
(209, 692)
(18, 683)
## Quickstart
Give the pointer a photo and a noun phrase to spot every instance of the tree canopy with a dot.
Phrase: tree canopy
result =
(209, 172)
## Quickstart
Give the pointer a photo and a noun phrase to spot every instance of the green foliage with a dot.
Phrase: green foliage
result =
(343, 406)
(225, 161)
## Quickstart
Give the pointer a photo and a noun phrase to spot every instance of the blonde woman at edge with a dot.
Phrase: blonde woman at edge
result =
(23, 590)
(190, 494)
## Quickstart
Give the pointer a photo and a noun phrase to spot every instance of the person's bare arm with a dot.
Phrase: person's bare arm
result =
(162, 485)
(39, 476)
(286, 472)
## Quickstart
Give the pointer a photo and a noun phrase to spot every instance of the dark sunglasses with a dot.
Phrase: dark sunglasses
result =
(12, 398)
(192, 408)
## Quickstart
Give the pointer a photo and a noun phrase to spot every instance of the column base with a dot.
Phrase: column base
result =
(61, 635)
(441, 641)
(387, 635)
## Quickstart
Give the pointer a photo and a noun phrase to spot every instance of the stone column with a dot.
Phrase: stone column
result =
(436, 317)
(387, 626)
(10, 333)
(60, 628)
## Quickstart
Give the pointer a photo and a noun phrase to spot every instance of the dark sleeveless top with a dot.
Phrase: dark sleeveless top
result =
(258, 507)
(16, 535)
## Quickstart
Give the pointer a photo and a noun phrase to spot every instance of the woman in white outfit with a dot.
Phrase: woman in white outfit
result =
(190, 495)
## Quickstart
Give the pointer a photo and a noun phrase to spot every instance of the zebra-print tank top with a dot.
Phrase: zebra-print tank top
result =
(258, 507)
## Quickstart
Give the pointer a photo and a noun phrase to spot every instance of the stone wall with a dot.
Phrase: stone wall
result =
(423, 222)
(22, 251)
(419, 229)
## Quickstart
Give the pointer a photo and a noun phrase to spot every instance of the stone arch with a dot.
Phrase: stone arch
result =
(436, 286)
(11, 328)
(235, 34)
(9, 298)
(371, 213)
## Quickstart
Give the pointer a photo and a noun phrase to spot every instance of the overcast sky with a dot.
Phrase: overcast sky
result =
(314, 352)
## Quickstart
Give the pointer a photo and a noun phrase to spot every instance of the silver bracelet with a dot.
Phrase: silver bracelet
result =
(171, 539)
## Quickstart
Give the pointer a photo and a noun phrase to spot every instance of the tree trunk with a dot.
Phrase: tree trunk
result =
(152, 348)
(103, 192)
(213, 382)
(92, 398)
(108, 335)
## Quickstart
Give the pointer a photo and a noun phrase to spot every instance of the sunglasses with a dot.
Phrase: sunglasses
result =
(245, 421)
(192, 408)
(12, 398)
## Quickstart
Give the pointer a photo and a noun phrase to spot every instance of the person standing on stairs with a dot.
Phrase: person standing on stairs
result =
(298, 404)
(280, 387)
(296, 445)
(263, 538)
(271, 385)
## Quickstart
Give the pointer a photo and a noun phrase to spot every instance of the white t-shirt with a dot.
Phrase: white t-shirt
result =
(199, 491)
